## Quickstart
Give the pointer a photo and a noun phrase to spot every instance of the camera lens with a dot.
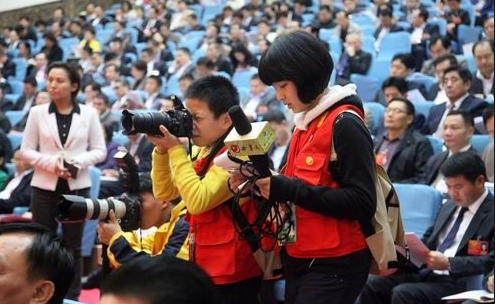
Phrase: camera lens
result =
(147, 122)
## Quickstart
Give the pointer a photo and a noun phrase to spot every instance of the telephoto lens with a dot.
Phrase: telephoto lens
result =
(73, 207)
(177, 122)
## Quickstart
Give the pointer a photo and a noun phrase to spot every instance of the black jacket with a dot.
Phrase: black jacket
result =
(408, 164)
(477, 86)
(357, 64)
(433, 166)
(20, 196)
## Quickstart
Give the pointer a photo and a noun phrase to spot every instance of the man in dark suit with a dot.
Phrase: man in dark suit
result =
(421, 32)
(27, 99)
(457, 132)
(7, 67)
(402, 151)
(482, 85)
(387, 24)
(460, 241)
(148, 56)
(455, 17)
(457, 83)
(441, 64)
(353, 60)
(150, 26)
(17, 193)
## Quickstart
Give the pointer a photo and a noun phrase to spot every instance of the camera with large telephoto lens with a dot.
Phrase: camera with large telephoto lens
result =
(127, 207)
(177, 122)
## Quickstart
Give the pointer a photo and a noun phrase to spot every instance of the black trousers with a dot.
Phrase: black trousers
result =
(409, 289)
(243, 292)
(44, 209)
(323, 286)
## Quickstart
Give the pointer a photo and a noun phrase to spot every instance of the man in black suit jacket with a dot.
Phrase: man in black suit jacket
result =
(457, 133)
(460, 241)
(353, 61)
(17, 193)
(457, 83)
(455, 17)
(421, 32)
(27, 100)
(7, 67)
(387, 24)
(402, 151)
(482, 85)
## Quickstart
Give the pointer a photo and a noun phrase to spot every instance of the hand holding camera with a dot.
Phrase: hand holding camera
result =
(106, 230)
(165, 142)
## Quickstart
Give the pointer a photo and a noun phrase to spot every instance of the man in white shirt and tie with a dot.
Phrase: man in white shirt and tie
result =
(460, 241)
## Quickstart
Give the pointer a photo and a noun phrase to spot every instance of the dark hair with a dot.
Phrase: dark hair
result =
(397, 82)
(103, 97)
(31, 80)
(148, 50)
(467, 164)
(217, 91)
(90, 29)
(186, 77)
(46, 258)
(450, 57)
(275, 116)
(162, 280)
(458, 1)
(204, 61)
(464, 73)
(445, 40)
(385, 12)
(240, 48)
(406, 59)
(140, 65)
(423, 13)
(301, 58)
(50, 36)
(466, 117)
(94, 87)
(409, 105)
(158, 80)
(71, 71)
(488, 113)
(185, 50)
(483, 42)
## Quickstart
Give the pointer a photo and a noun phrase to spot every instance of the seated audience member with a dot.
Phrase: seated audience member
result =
(441, 64)
(17, 193)
(26, 100)
(182, 64)
(259, 95)
(170, 239)
(345, 26)
(171, 102)
(5, 104)
(439, 46)
(456, 16)
(457, 83)
(278, 151)
(159, 280)
(421, 32)
(488, 26)
(387, 25)
(36, 268)
(204, 67)
(482, 85)
(102, 106)
(222, 63)
(488, 279)
(138, 73)
(402, 151)
(121, 89)
(354, 60)
(184, 82)
(457, 132)
(489, 151)
(153, 87)
(41, 98)
(466, 219)
(109, 164)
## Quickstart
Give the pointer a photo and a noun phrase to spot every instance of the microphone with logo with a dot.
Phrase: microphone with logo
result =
(250, 139)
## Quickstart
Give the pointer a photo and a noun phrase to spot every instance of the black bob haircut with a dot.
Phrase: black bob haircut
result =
(162, 280)
(46, 258)
(301, 58)
(72, 73)
(467, 164)
(217, 91)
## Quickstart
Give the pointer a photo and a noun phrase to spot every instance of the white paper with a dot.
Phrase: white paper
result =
(417, 249)
(479, 296)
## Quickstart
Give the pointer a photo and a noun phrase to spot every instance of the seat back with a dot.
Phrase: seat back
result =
(480, 142)
(419, 206)
(436, 144)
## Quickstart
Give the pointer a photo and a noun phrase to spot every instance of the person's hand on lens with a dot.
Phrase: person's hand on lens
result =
(106, 230)
(165, 142)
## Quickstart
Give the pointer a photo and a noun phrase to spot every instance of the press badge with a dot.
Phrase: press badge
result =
(478, 248)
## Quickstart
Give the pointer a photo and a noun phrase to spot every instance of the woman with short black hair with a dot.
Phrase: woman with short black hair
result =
(329, 174)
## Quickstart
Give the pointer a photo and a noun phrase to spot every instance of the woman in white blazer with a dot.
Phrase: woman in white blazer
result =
(56, 132)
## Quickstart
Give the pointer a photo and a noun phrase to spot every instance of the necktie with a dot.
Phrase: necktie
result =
(447, 242)
(439, 132)
(450, 238)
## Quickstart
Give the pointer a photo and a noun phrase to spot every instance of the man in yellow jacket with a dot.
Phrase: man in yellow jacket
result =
(170, 239)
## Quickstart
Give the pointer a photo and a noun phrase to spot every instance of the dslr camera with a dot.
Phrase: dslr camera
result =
(178, 122)
(127, 207)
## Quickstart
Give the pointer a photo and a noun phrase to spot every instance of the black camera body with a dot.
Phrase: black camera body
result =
(127, 207)
(177, 122)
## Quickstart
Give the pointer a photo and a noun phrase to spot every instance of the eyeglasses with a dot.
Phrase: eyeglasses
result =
(395, 111)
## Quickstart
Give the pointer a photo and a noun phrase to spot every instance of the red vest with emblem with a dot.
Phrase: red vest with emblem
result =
(320, 236)
(216, 246)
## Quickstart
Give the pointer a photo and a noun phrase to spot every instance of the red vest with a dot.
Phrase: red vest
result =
(319, 236)
(216, 246)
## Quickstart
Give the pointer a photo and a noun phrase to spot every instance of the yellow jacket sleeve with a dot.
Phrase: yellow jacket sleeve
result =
(161, 176)
(124, 246)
